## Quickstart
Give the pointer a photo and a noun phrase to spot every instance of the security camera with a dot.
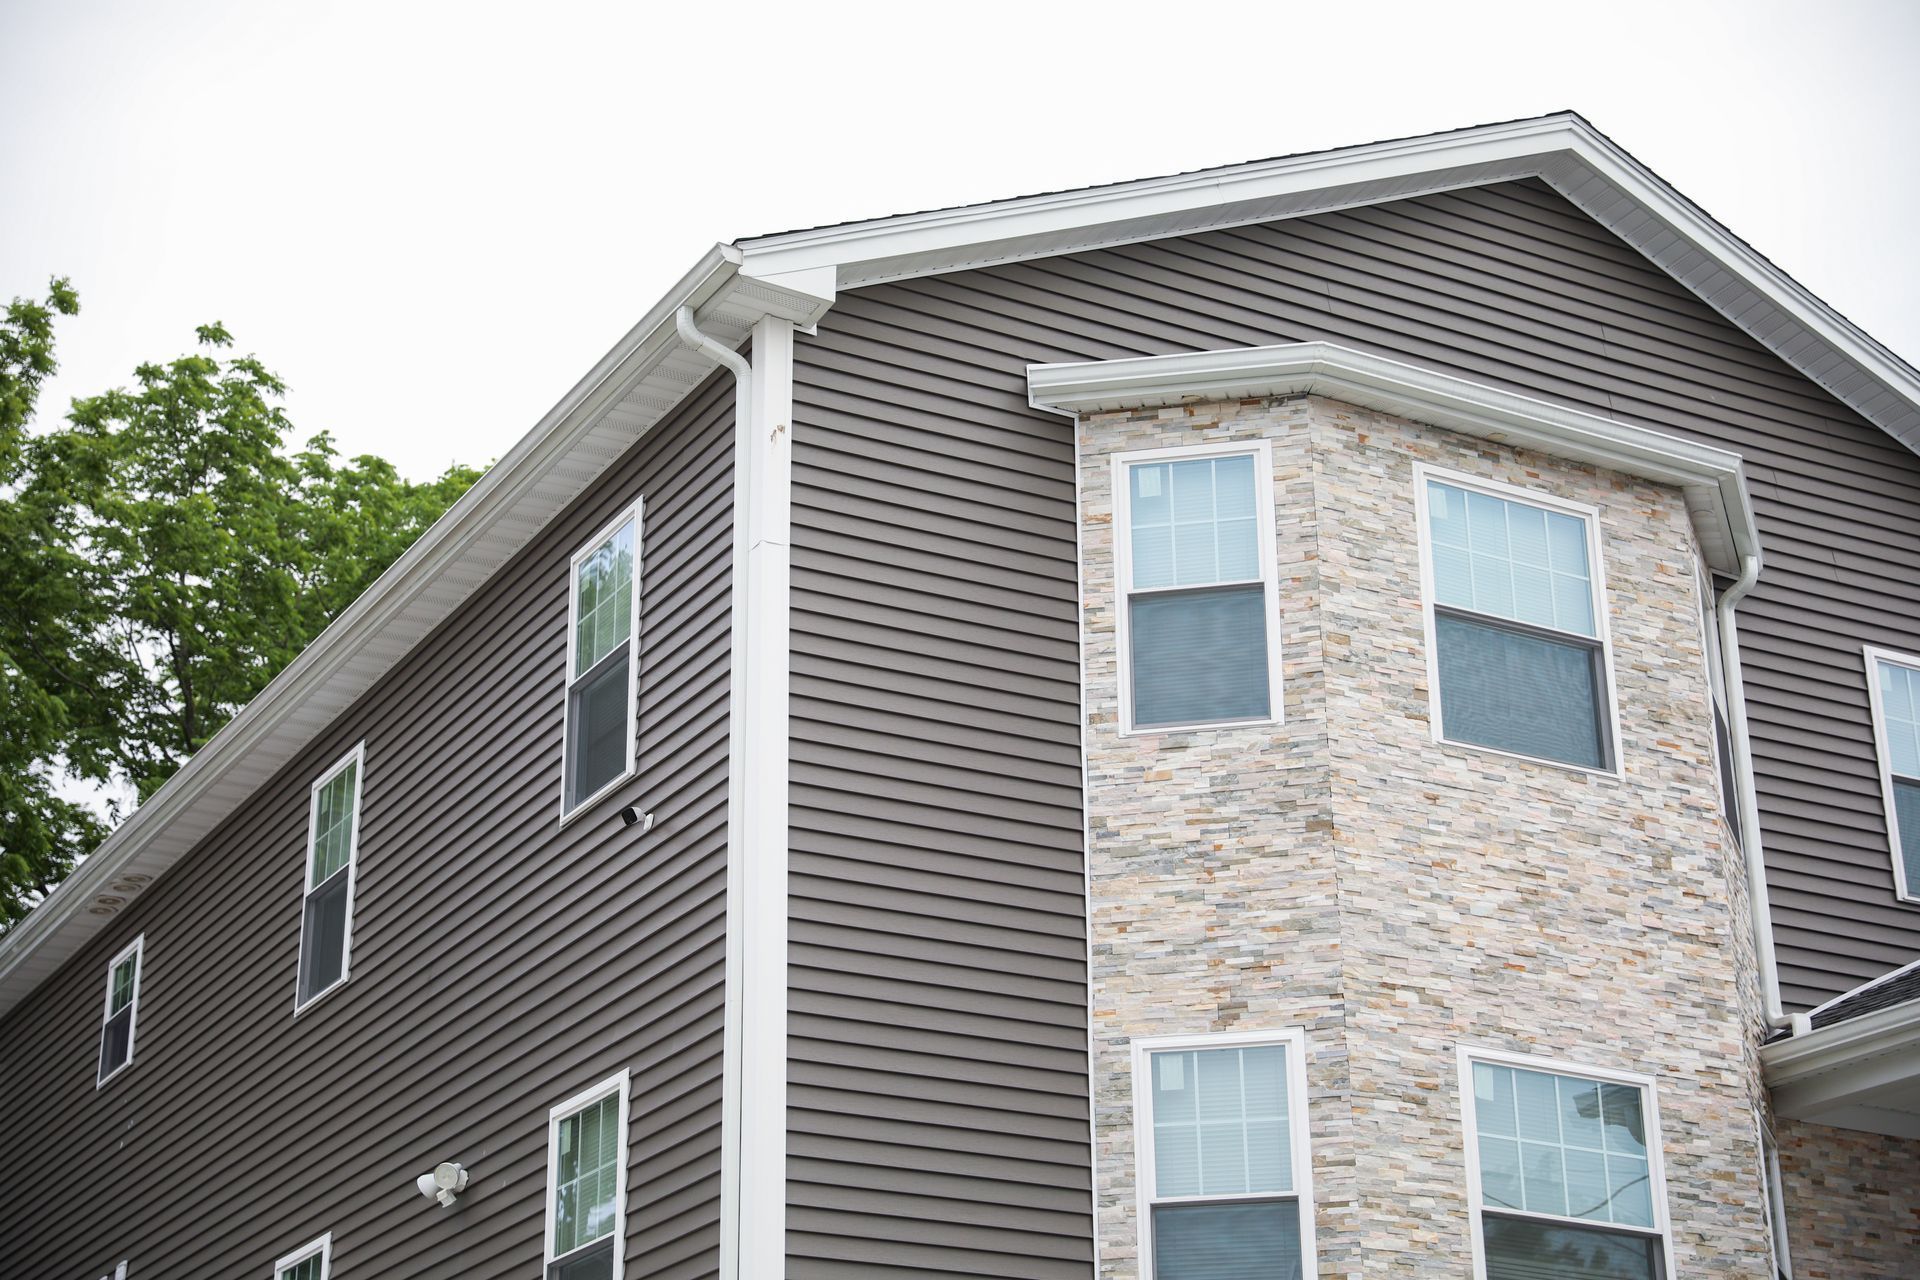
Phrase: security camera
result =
(631, 816)
(445, 1183)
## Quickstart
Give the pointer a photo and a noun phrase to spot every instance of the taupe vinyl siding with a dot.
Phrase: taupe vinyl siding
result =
(501, 963)
(933, 598)
(937, 1088)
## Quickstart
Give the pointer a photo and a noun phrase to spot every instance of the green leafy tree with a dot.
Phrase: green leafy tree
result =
(55, 721)
(192, 557)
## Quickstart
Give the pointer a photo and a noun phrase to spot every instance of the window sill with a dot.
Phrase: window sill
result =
(301, 1006)
(101, 1082)
(1161, 730)
(612, 785)
(1614, 773)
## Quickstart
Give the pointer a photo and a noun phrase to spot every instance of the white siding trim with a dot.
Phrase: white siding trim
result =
(1656, 1156)
(1261, 450)
(753, 1182)
(620, 1085)
(136, 949)
(1590, 517)
(1883, 755)
(1298, 1129)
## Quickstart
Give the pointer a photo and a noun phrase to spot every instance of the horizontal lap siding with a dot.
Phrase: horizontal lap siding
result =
(934, 805)
(500, 964)
(937, 1089)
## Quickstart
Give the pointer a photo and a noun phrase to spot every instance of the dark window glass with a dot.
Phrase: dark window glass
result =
(595, 1263)
(599, 726)
(1247, 1241)
(116, 1040)
(1520, 691)
(1906, 805)
(1520, 1249)
(323, 936)
(1200, 657)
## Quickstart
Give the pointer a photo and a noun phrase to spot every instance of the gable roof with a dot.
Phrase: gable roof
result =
(796, 275)
(1562, 150)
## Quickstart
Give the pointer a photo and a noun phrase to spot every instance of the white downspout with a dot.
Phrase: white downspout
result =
(1748, 799)
(718, 352)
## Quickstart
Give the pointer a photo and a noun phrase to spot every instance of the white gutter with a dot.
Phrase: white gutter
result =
(1749, 799)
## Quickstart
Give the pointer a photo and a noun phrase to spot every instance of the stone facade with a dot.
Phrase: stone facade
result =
(1342, 872)
(1852, 1202)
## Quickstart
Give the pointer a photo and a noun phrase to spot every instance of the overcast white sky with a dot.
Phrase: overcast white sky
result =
(433, 218)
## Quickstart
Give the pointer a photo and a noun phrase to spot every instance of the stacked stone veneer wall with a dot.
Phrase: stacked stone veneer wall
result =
(1852, 1201)
(1396, 897)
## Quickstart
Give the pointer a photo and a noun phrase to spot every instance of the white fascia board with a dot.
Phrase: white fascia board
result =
(1563, 150)
(635, 384)
(1893, 1031)
(1711, 478)
(949, 239)
(1860, 1074)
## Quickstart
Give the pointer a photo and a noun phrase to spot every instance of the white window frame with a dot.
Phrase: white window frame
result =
(1590, 516)
(1295, 1041)
(1883, 754)
(1775, 1192)
(136, 949)
(1718, 696)
(358, 759)
(1261, 450)
(636, 513)
(620, 1084)
(1656, 1156)
(322, 1248)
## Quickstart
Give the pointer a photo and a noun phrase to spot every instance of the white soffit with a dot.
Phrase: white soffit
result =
(1562, 150)
(644, 376)
(1711, 479)
(1863, 1073)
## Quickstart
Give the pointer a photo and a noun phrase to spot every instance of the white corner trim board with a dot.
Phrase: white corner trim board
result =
(753, 1126)
(1712, 479)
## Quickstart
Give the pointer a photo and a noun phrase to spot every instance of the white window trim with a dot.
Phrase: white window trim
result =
(1774, 1190)
(620, 1084)
(1883, 754)
(357, 758)
(1590, 515)
(1261, 450)
(635, 513)
(136, 949)
(323, 1248)
(1656, 1171)
(1295, 1040)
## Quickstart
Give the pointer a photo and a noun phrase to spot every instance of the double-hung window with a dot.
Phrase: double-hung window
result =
(1564, 1169)
(309, 1262)
(602, 661)
(1517, 621)
(1195, 559)
(122, 1008)
(333, 839)
(587, 1183)
(1893, 684)
(1220, 1123)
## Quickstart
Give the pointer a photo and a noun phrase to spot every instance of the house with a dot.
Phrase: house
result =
(1355, 714)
